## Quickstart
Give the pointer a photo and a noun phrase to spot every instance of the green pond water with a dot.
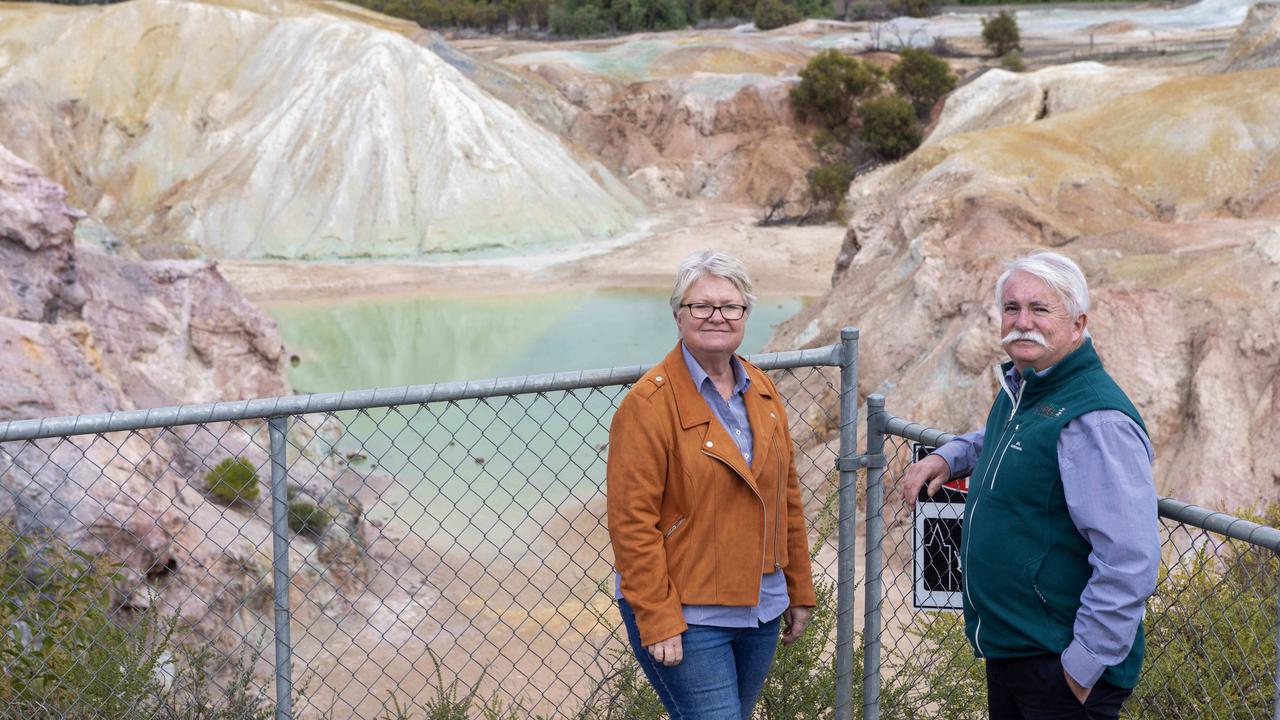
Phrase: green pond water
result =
(479, 475)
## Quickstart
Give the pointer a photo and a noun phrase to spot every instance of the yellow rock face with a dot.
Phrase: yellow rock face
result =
(284, 129)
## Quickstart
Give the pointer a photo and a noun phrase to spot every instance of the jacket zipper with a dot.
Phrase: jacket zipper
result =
(764, 510)
(777, 522)
(673, 528)
(991, 473)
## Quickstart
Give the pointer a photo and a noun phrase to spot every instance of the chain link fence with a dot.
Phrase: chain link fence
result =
(437, 551)
(1211, 626)
(440, 551)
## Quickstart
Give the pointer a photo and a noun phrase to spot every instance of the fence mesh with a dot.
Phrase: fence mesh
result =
(440, 554)
(1210, 628)
(450, 554)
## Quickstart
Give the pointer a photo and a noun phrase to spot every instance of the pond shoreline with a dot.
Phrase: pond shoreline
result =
(793, 261)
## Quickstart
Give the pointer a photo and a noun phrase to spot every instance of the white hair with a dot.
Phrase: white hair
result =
(1058, 272)
(715, 263)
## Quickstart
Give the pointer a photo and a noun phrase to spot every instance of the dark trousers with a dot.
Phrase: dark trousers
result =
(1034, 688)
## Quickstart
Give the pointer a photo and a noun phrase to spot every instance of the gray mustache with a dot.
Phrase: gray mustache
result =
(1031, 335)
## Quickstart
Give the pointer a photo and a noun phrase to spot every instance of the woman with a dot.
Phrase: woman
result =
(704, 508)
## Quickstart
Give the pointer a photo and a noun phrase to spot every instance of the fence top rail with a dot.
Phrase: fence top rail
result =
(1176, 510)
(38, 428)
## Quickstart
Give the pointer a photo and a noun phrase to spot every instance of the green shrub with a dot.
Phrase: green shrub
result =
(61, 650)
(233, 481)
(653, 15)
(913, 8)
(816, 8)
(585, 20)
(305, 518)
(889, 126)
(770, 14)
(1012, 61)
(831, 84)
(70, 651)
(1211, 636)
(1000, 33)
(860, 10)
(922, 78)
(802, 681)
(828, 185)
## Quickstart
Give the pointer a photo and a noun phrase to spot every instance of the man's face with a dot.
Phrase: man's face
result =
(715, 335)
(1036, 328)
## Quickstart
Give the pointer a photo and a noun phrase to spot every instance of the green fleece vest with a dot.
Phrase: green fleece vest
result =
(1025, 564)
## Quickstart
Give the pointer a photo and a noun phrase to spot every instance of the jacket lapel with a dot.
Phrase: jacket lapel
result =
(693, 411)
(764, 420)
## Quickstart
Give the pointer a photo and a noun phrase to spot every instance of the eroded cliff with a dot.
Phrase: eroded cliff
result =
(1170, 200)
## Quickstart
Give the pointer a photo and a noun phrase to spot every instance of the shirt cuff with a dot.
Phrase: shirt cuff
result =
(949, 455)
(1081, 665)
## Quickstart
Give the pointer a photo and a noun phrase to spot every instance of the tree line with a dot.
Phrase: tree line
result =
(584, 17)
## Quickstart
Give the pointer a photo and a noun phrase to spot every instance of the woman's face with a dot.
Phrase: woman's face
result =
(715, 335)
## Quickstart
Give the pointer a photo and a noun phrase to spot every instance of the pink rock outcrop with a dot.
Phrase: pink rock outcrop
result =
(84, 331)
(1169, 199)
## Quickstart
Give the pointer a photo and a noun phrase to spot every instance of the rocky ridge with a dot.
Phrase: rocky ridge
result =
(1170, 200)
(85, 330)
(687, 115)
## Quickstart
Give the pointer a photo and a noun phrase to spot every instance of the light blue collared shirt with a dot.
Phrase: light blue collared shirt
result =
(732, 414)
(1105, 462)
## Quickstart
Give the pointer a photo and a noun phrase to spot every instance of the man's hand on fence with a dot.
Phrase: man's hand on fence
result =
(932, 471)
(669, 652)
(794, 621)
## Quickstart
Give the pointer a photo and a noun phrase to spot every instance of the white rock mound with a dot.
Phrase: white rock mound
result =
(284, 129)
(998, 97)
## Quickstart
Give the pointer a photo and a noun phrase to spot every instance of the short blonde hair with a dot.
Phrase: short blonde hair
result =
(715, 263)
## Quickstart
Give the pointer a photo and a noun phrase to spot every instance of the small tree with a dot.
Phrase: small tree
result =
(889, 126)
(770, 14)
(1000, 34)
(830, 86)
(922, 78)
(233, 481)
(828, 185)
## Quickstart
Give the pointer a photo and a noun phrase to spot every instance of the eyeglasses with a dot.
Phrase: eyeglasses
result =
(703, 311)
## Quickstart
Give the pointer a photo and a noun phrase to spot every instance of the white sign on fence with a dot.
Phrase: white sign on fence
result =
(936, 566)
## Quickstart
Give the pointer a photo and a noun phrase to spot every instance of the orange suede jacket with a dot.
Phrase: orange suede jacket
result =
(690, 522)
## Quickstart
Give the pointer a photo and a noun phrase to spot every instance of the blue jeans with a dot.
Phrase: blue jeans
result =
(721, 674)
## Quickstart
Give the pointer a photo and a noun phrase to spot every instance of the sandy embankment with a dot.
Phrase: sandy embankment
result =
(782, 260)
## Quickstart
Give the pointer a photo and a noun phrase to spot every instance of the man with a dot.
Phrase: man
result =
(1061, 544)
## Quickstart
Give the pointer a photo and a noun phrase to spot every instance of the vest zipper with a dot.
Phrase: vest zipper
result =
(1017, 399)
(991, 474)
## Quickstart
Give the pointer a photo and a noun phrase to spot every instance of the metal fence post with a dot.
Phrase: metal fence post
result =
(875, 558)
(1275, 710)
(280, 566)
(848, 527)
